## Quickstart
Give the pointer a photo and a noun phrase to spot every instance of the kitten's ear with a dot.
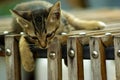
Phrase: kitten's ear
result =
(16, 14)
(22, 17)
(55, 12)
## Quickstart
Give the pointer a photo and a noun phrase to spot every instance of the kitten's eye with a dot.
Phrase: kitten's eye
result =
(49, 35)
(34, 37)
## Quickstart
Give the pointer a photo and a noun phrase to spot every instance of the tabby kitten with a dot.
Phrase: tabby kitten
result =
(41, 21)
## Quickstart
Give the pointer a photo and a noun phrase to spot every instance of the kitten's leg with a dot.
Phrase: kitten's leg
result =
(26, 55)
(82, 24)
(63, 39)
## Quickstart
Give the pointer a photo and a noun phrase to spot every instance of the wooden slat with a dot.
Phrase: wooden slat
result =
(2, 54)
(12, 58)
(75, 59)
(117, 56)
(97, 55)
(113, 28)
(54, 61)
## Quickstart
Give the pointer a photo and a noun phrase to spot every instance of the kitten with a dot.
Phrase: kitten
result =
(41, 22)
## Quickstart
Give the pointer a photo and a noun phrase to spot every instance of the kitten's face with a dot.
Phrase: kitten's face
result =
(40, 25)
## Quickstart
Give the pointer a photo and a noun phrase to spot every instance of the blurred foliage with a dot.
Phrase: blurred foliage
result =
(6, 6)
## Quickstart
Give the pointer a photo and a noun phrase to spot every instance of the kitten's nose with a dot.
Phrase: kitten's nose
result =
(43, 44)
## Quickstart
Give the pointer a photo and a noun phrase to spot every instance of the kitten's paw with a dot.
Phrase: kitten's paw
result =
(101, 25)
(96, 25)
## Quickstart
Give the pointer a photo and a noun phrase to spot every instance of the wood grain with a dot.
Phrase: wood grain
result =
(54, 61)
(117, 56)
(98, 62)
(75, 62)
(13, 59)
(2, 53)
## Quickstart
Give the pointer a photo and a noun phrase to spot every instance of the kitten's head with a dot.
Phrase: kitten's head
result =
(40, 25)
